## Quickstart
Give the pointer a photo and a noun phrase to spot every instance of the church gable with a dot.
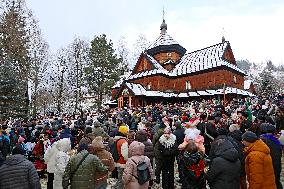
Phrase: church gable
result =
(228, 55)
(143, 64)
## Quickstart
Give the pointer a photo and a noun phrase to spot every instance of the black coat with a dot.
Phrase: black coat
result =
(224, 171)
(193, 178)
(18, 172)
(275, 153)
(180, 135)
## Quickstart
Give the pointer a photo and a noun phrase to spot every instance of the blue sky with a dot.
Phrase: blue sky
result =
(254, 27)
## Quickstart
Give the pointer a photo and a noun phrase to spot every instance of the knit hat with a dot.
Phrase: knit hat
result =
(123, 129)
(249, 137)
(98, 142)
(21, 139)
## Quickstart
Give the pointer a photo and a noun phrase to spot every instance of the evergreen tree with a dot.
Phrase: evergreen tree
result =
(102, 70)
(14, 53)
(12, 92)
(267, 83)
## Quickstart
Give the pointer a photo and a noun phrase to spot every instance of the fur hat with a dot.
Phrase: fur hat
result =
(249, 137)
(98, 142)
(123, 129)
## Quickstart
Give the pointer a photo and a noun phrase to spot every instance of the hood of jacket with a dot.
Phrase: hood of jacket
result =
(136, 148)
(63, 145)
(15, 159)
(226, 150)
(259, 146)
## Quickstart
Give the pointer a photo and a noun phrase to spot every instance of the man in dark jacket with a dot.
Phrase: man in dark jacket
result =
(267, 131)
(225, 168)
(18, 172)
(179, 133)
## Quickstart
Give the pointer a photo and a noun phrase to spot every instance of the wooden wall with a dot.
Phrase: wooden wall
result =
(214, 79)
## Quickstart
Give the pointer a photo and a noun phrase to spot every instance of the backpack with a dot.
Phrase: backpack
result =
(114, 151)
(143, 173)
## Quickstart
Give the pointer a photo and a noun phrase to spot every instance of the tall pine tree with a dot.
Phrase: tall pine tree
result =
(14, 54)
(102, 71)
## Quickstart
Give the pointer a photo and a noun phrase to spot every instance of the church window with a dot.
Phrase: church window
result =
(187, 85)
(235, 79)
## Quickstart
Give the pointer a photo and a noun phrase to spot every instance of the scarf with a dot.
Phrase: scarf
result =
(168, 143)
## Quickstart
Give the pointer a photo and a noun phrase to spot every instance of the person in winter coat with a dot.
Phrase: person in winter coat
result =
(61, 160)
(259, 167)
(122, 149)
(38, 153)
(267, 131)
(136, 153)
(97, 148)
(49, 158)
(18, 172)
(236, 135)
(99, 131)
(4, 144)
(141, 136)
(279, 120)
(84, 177)
(168, 149)
(224, 171)
(193, 167)
(88, 137)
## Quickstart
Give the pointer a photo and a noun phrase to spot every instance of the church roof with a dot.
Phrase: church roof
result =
(192, 62)
(163, 39)
(204, 59)
(139, 90)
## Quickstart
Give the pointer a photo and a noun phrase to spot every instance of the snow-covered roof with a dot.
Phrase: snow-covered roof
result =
(214, 92)
(163, 39)
(247, 84)
(193, 94)
(204, 93)
(139, 90)
(120, 81)
(204, 59)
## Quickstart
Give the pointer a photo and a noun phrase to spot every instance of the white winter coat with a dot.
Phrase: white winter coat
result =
(49, 157)
(61, 161)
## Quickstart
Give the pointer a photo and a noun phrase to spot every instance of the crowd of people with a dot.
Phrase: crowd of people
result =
(234, 145)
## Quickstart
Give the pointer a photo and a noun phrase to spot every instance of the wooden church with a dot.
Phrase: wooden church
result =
(166, 72)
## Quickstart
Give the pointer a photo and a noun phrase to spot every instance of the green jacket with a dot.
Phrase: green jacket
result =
(84, 177)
